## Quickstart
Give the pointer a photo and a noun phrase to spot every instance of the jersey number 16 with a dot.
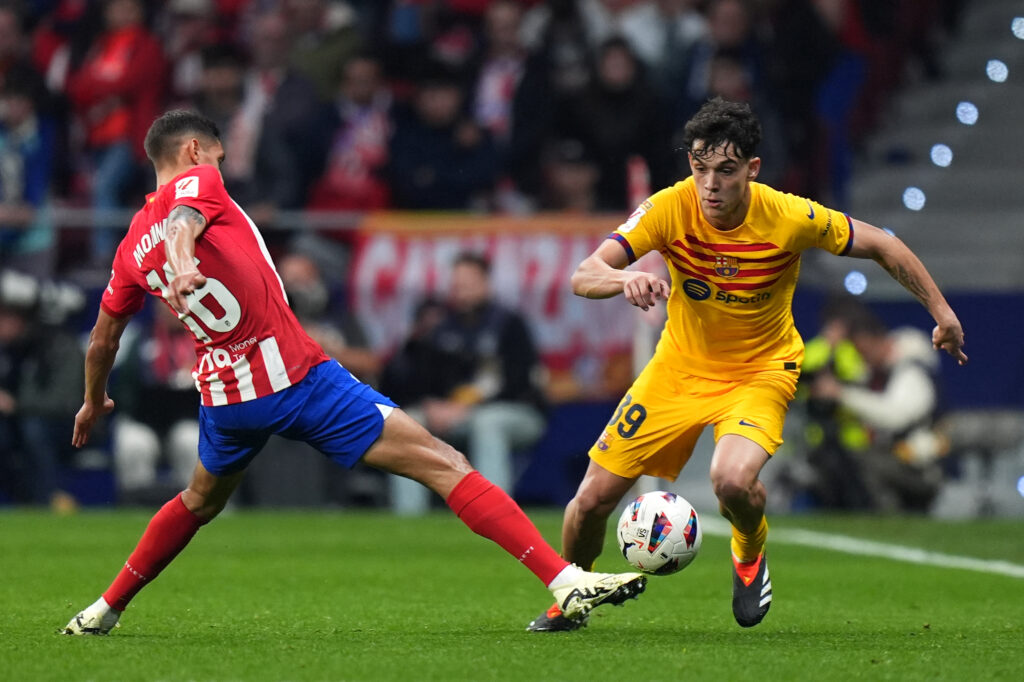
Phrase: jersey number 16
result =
(223, 322)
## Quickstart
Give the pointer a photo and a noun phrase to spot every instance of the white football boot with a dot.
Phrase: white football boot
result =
(97, 619)
(578, 598)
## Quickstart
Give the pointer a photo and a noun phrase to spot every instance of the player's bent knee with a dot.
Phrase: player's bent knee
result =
(451, 458)
(730, 488)
(201, 505)
(595, 503)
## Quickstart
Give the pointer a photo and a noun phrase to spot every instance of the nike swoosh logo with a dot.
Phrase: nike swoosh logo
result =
(744, 422)
(811, 214)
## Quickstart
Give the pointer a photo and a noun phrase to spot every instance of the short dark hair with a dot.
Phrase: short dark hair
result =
(167, 130)
(720, 123)
(477, 260)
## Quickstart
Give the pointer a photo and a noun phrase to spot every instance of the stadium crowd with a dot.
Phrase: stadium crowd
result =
(490, 106)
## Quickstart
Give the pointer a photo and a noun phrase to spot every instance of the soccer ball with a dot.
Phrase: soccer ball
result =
(659, 533)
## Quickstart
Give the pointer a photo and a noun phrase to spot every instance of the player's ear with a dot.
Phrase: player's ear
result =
(753, 168)
(193, 151)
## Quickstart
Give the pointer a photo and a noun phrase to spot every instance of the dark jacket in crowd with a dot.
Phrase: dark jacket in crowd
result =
(493, 344)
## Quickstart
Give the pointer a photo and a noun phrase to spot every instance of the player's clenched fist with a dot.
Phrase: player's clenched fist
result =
(643, 289)
(950, 338)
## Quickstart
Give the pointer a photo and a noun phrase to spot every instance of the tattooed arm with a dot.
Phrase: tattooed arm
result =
(184, 225)
(907, 269)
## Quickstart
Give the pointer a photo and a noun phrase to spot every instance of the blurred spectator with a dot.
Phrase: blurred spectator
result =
(117, 92)
(190, 26)
(156, 429)
(819, 71)
(354, 175)
(681, 26)
(411, 372)
(40, 384)
(14, 60)
(27, 149)
(730, 31)
(730, 80)
(221, 86)
(440, 159)
(555, 31)
(325, 37)
(483, 388)
(899, 403)
(620, 116)
(833, 436)
(338, 333)
(570, 177)
(511, 101)
(403, 29)
(640, 24)
(276, 139)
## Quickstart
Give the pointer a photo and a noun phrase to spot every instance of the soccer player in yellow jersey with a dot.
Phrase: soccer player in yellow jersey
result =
(729, 354)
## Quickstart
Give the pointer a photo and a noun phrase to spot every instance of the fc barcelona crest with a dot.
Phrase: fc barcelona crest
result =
(727, 266)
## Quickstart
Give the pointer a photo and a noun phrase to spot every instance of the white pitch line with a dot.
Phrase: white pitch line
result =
(850, 545)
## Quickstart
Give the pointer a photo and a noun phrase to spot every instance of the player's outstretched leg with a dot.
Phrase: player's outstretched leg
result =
(734, 471)
(407, 449)
(168, 532)
(583, 532)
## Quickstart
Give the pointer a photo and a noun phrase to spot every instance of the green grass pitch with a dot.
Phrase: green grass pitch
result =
(365, 596)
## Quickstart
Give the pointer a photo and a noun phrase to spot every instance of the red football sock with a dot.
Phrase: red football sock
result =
(168, 532)
(490, 512)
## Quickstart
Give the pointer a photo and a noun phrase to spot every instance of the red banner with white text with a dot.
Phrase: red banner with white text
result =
(401, 258)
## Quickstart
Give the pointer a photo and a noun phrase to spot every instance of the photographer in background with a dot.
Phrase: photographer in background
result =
(898, 405)
(482, 389)
(39, 385)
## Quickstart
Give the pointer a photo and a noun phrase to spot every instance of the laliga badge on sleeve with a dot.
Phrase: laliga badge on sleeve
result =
(186, 187)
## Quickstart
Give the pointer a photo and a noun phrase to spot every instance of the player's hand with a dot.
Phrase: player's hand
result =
(949, 336)
(180, 287)
(643, 289)
(86, 419)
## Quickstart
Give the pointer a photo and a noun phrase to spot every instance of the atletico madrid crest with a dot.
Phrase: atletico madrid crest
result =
(727, 266)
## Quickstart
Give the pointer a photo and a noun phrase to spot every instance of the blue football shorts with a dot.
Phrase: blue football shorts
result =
(329, 409)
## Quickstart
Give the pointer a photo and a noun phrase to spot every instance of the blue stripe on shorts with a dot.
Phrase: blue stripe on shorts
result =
(329, 409)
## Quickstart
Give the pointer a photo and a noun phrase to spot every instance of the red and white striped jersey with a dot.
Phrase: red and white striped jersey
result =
(248, 342)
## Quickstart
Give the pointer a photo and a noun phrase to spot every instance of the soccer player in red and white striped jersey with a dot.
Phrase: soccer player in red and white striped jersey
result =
(259, 374)
(248, 342)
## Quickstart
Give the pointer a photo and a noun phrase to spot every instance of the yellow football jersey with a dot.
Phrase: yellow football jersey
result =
(729, 311)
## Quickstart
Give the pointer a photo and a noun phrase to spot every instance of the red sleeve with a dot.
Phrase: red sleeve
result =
(123, 297)
(201, 188)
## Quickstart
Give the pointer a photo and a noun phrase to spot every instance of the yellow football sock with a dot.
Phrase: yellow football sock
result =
(746, 546)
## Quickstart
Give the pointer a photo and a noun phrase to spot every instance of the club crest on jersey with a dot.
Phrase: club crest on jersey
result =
(727, 266)
(604, 441)
(186, 187)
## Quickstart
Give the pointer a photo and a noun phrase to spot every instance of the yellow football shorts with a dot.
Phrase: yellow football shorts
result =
(656, 425)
